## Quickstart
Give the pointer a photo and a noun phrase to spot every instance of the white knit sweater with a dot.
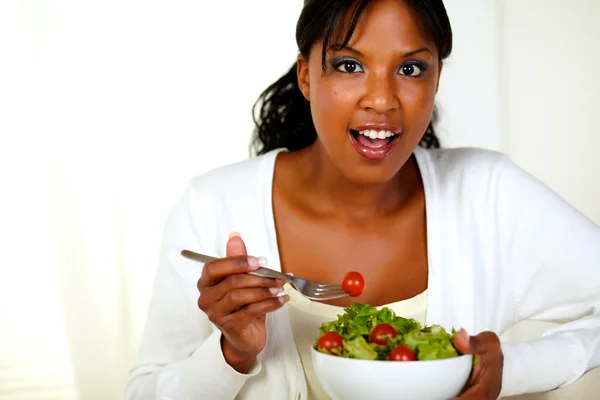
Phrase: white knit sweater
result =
(502, 248)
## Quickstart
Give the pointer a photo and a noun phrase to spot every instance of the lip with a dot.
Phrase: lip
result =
(374, 154)
(379, 127)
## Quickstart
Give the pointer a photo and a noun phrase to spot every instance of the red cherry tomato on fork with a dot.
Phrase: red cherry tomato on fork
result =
(353, 283)
(330, 341)
(381, 332)
(402, 353)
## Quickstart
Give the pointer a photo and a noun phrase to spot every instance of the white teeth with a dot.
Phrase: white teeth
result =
(373, 134)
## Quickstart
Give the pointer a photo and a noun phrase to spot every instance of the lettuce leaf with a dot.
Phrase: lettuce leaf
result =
(359, 348)
(357, 321)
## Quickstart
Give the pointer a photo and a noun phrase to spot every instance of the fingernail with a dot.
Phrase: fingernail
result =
(256, 262)
(461, 331)
(284, 299)
(275, 290)
(262, 261)
(234, 234)
(253, 263)
(464, 332)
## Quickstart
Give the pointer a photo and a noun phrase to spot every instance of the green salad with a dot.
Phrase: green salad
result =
(365, 332)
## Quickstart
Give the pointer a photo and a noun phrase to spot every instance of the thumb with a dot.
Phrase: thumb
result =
(485, 342)
(463, 342)
(466, 344)
(235, 246)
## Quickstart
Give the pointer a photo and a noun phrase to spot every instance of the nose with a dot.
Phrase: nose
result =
(380, 95)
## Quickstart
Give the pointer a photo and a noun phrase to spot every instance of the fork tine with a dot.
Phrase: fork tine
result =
(330, 293)
(327, 288)
(313, 286)
(327, 285)
(329, 296)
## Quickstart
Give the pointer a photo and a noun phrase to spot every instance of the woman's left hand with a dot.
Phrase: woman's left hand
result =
(485, 381)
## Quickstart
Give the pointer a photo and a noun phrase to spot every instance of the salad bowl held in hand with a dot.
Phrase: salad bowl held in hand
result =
(373, 354)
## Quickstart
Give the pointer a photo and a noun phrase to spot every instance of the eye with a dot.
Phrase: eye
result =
(348, 66)
(412, 70)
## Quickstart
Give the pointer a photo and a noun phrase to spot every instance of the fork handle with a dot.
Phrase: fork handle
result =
(261, 271)
(270, 273)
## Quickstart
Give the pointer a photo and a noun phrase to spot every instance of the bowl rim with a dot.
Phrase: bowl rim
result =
(441, 360)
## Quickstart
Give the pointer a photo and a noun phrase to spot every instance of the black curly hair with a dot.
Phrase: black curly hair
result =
(282, 115)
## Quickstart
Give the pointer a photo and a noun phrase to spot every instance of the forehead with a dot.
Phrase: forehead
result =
(385, 25)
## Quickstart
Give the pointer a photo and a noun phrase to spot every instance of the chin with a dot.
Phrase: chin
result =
(364, 171)
(370, 174)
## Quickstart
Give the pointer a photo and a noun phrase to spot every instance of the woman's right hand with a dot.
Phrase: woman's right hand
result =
(237, 303)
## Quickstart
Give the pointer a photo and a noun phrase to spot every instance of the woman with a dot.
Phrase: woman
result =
(349, 177)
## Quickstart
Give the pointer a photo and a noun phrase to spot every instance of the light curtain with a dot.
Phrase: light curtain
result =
(107, 110)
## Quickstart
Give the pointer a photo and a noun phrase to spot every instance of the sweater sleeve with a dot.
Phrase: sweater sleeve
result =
(552, 253)
(180, 355)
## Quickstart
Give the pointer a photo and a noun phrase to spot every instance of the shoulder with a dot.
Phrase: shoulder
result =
(228, 198)
(480, 180)
(484, 168)
(484, 178)
(239, 178)
(464, 167)
(464, 160)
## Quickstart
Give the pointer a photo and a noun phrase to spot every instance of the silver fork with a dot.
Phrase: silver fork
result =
(310, 289)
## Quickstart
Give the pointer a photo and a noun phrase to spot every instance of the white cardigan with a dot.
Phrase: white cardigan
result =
(502, 248)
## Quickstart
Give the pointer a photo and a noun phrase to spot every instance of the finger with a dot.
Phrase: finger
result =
(474, 392)
(262, 308)
(485, 378)
(462, 342)
(235, 245)
(242, 281)
(215, 271)
(485, 386)
(485, 343)
(240, 319)
(212, 294)
(238, 298)
(481, 344)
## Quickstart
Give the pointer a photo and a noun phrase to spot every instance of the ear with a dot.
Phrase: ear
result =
(437, 85)
(303, 77)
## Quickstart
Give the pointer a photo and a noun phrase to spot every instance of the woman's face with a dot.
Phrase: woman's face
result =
(373, 103)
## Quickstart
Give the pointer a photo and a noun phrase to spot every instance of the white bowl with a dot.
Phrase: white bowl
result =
(354, 379)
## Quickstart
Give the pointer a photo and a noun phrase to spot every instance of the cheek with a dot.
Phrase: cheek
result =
(325, 95)
(417, 105)
(331, 104)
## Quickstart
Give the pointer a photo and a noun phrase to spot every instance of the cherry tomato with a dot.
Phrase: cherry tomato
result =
(330, 341)
(381, 332)
(402, 353)
(353, 283)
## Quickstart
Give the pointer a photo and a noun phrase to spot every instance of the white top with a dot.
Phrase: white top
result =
(307, 316)
(502, 248)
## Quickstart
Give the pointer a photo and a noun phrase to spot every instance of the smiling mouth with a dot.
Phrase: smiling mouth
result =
(374, 144)
(374, 139)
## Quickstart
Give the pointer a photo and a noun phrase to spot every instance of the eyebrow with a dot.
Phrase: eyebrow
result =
(423, 49)
(353, 50)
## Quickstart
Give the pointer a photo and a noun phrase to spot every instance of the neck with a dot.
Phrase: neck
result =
(330, 192)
